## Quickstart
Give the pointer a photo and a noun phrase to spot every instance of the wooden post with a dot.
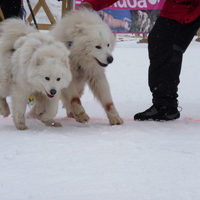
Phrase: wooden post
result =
(64, 7)
(198, 36)
(67, 5)
(70, 5)
(144, 39)
(43, 4)
(1, 14)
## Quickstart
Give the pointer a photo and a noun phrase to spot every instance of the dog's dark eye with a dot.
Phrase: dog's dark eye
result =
(108, 45)
(47, 78)
(98, 47)
(58, 79)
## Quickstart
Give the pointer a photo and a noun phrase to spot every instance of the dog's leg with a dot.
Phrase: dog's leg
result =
(100, 88)
(19, 101)
(32, 113)
(50, 112)
(4, 108)
(72, 102)
(39, 106)
(45, 109)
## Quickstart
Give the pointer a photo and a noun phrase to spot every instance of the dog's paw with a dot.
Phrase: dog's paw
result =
(5, 111)
(56, 124)
(52, 123)
(82, 117)
(116, 121)
(70, 115)
(31, 115)
(21, 126)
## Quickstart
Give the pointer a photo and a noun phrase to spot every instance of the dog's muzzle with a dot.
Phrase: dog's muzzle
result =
(109, 61)
(52, 93)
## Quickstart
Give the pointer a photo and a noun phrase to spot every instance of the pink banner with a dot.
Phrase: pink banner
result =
(131, 16)
(137, 5)
(134, 4)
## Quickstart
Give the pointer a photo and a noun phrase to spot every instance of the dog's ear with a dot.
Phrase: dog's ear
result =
(64, 59)
(80, 28)
(39, 60)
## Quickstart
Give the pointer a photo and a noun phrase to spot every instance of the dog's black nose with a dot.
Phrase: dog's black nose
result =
(110, 59)
(52, 91)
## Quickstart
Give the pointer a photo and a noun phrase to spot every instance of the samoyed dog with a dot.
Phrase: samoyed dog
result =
(91, 43)
(31, 63)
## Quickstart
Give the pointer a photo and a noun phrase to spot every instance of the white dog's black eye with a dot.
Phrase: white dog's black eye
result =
(58, 79)
(47, 78)
(98, 47)
(108, 45)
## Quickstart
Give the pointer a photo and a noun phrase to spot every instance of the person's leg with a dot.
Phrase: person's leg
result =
(167, 42)
(164, 68)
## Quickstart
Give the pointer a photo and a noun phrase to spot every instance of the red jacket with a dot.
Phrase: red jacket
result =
(183, 11)
(100, 4)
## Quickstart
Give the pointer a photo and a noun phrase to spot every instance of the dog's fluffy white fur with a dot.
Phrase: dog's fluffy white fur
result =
(31, 63)
(91, 43)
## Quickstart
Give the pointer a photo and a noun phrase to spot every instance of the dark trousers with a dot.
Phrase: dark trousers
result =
(10, 8)
(167, 42)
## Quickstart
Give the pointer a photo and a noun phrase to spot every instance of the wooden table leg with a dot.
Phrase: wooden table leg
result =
(70, 5)
(64, 7)
(1, 14)
(48, 11)
(67, 5)
(43, 4)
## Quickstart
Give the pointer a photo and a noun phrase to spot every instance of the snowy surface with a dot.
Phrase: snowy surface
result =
(96, 161)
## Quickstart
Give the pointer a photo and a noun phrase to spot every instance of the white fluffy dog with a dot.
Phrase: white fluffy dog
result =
(91, 43)
(31, 63)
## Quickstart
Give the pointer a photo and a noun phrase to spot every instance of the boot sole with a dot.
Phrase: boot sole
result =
(165, 118)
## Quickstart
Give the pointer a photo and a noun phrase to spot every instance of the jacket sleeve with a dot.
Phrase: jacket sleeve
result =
(183, 1)
(100, 4)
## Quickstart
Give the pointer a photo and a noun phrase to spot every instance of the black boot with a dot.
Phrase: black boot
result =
(161, 113)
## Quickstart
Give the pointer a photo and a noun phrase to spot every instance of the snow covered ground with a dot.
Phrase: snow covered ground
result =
(96, 161)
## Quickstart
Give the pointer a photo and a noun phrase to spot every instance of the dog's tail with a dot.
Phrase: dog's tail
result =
(12, 29)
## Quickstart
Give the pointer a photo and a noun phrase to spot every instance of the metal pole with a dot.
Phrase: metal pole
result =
(32, 14)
